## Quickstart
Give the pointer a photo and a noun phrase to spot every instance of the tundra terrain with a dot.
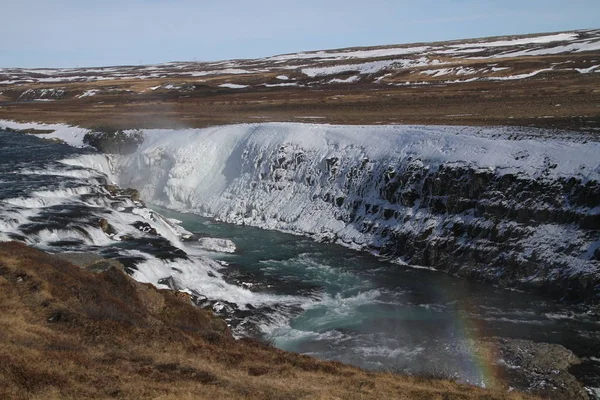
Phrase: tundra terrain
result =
(545, 80)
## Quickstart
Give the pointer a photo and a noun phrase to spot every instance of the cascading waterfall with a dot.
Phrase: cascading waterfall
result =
(516, 208)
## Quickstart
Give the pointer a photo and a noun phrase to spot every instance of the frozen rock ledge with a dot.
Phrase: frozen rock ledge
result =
(218, 245)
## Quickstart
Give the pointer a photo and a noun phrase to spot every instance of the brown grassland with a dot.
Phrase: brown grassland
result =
(67, 333)
(551, 100)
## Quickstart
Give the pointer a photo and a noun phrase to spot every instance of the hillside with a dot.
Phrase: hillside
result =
(67, 332)
(545, 80)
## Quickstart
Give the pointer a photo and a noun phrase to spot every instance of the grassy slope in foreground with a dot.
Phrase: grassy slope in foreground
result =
(66, 332)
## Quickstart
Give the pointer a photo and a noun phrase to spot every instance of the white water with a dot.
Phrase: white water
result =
(216, 171)
(288, 177)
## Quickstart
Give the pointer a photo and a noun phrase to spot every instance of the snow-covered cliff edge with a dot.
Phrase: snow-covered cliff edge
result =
(515, 208)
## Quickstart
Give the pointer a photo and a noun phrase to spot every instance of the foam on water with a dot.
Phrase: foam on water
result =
(75, 187)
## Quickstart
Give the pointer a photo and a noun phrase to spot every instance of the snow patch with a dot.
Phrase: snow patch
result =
(218, 245)
(233, 86)
(69, 134)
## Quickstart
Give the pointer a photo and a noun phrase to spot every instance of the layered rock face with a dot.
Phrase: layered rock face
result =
(507, 229)
(517, 213)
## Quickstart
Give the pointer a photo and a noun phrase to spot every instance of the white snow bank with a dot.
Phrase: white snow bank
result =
(347, 80)
(88, 93)
(71, 135)
(233, 86)
(568, 48)
(516, 42)
(233, 173)
(341, 55)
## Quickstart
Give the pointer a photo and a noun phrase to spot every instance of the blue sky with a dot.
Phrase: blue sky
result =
(70, 33)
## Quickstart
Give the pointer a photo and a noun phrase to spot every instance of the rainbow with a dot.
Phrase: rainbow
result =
(480, 363)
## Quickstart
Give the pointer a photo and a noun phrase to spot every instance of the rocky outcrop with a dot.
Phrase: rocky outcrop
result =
(507, 229)
(491, 204)
(538, 368)
(91, 261)
(537, 233)
(114, 142)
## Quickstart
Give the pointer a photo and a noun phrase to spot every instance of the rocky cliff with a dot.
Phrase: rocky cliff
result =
(519, 209)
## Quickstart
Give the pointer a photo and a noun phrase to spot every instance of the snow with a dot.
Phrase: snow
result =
(221, 171)
(371, 67)
(317, 64)
(517, 42)
(573, 47)
(341, 55)
(347, 80)
(520, 76)
(587, 70)
(233, 86)
(286, 84)
(227, 71)
(69, 134)
(88, 93)
(289, 177)
(218, 245)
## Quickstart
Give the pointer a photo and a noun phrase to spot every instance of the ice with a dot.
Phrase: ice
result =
(69, 134)
(218, 245)
(289, 177)
(233, 173)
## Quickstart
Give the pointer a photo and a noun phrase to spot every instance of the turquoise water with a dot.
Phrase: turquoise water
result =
(378, 315)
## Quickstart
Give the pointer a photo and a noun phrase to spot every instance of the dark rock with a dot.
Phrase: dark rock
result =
(104, 265)
(106, 227)
(170, 282)
(145, 227)
(134, 194)
(115, 142)
(537, 368)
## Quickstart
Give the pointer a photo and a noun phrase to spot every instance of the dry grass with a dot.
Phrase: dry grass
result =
(66, 333)
(529, 102)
